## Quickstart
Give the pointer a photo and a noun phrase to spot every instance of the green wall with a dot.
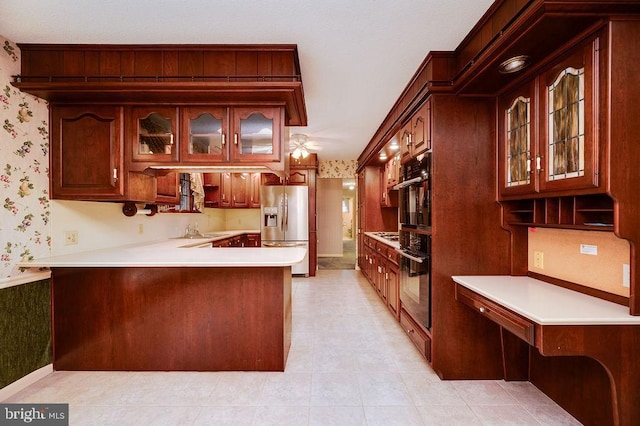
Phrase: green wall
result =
(25, 330)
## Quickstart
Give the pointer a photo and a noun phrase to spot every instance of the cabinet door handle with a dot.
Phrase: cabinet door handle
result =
(115, 175)
(538, 163)
(235, 139)
(224, 139)
(171, 139)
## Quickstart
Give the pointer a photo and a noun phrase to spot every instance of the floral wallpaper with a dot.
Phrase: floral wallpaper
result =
(24, 167)
(337, 169)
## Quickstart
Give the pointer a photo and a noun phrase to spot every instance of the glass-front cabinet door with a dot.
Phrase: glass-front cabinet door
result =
(257, 134)
(205, 137)
(155, 134)
(548, 128)
(517, 147)
(569, 99)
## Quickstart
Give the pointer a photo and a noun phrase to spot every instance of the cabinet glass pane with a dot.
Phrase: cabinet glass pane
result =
(205, 135)
(519, 142)
(256, 135)
(154, 135)
(566, 125)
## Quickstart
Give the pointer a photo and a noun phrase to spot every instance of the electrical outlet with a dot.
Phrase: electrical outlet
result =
(626, 275)
(538, 259)
(70, 238)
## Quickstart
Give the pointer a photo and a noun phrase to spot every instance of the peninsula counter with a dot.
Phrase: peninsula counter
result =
(172, 305)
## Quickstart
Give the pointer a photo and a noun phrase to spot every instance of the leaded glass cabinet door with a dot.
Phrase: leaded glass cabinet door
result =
(518, 143)
(257, 134)
(569, 145)
(154, 139)
(206, 135)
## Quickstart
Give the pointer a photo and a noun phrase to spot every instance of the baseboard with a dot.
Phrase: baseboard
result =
(20, 384)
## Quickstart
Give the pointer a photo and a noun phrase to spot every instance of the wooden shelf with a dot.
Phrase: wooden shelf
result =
(586, 212)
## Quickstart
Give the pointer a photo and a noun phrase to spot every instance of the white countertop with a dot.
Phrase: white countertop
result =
(545, 303)
(177, 252)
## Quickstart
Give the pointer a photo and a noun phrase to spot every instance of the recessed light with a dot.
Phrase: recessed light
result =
(514, 64)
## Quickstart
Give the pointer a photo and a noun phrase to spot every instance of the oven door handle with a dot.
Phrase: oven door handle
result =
(408, 256)
(409, 182)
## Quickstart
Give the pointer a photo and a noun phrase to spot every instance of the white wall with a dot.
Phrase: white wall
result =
(329, 210)
(102, 225)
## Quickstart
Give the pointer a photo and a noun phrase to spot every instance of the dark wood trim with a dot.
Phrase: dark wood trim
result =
(600, 294)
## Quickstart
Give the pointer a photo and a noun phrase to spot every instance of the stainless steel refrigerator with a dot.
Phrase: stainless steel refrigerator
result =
(285, 220)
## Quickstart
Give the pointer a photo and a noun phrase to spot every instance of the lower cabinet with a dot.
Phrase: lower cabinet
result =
(418, 337)
(380, 266)
(244, 240)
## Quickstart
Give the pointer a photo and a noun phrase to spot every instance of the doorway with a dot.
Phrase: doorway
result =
(336, 223)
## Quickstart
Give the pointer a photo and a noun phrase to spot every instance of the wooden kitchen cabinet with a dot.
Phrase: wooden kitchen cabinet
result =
(238, 190)
(204, 137)
(392, 171)
(416, 334)
(211, 187)
(244, 240)
(168, 189)
(257, 134)
(415, 135)
(206, 134)
(380, 267)
(254, 190)
(153, 134)
(549, 141)
(252, 240)
(86, 157)
(392, 276)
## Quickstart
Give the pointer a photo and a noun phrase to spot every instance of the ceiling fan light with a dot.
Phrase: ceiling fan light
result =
(297, 153)
(304, 152)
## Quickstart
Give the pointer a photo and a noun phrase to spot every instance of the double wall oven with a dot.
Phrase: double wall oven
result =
(415, 239)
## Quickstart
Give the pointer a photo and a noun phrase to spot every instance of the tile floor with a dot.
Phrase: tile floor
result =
(350, 364)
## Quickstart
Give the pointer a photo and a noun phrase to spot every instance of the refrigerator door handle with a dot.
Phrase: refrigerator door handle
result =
(286, 213)
(281, 212)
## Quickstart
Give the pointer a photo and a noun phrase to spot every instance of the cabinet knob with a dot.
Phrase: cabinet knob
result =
(483, 309)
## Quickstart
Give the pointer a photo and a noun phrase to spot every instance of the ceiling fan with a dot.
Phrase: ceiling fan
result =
(299, 146)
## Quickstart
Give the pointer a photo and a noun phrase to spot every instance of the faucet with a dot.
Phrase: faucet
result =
(192, 231)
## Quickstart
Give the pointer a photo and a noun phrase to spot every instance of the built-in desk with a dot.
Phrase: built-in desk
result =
(562, 322)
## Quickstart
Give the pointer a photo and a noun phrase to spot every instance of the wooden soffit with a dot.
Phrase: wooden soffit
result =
(168, 74)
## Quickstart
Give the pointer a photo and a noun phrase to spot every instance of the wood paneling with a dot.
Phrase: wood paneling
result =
(162, 319)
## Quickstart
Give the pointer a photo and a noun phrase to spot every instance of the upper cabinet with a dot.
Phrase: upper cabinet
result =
(257, 134)
(205, 134)
(86, 157)
(153, 134)
(548, 128)
(415, 135)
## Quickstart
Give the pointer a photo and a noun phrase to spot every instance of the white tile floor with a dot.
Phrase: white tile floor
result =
(350, 364)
